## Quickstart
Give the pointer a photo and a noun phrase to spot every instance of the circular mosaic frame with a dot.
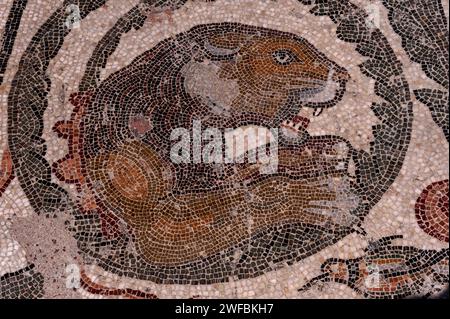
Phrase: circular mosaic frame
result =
(376, 169)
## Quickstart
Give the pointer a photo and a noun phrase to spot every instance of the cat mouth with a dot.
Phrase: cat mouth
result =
(321, 95)
(327, 91)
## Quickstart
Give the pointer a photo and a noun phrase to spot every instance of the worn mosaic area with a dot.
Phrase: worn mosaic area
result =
(351, 96)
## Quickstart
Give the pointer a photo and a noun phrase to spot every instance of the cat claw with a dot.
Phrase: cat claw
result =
(318, 111)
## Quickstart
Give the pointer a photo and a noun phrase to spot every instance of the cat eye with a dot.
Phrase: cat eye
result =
(284, 57)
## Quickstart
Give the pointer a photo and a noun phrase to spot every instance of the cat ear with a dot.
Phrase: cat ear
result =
(226, 46)
(220, 53)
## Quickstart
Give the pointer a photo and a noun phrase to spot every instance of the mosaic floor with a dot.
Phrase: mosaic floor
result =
(224, 149)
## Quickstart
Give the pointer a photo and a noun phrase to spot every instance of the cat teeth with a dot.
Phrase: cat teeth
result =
(318, 111)
(290, 125)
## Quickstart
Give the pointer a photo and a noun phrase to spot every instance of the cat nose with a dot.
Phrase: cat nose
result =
(341, 74)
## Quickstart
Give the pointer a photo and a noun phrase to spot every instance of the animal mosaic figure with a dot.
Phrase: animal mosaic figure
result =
(119, 145)
(388, 271)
